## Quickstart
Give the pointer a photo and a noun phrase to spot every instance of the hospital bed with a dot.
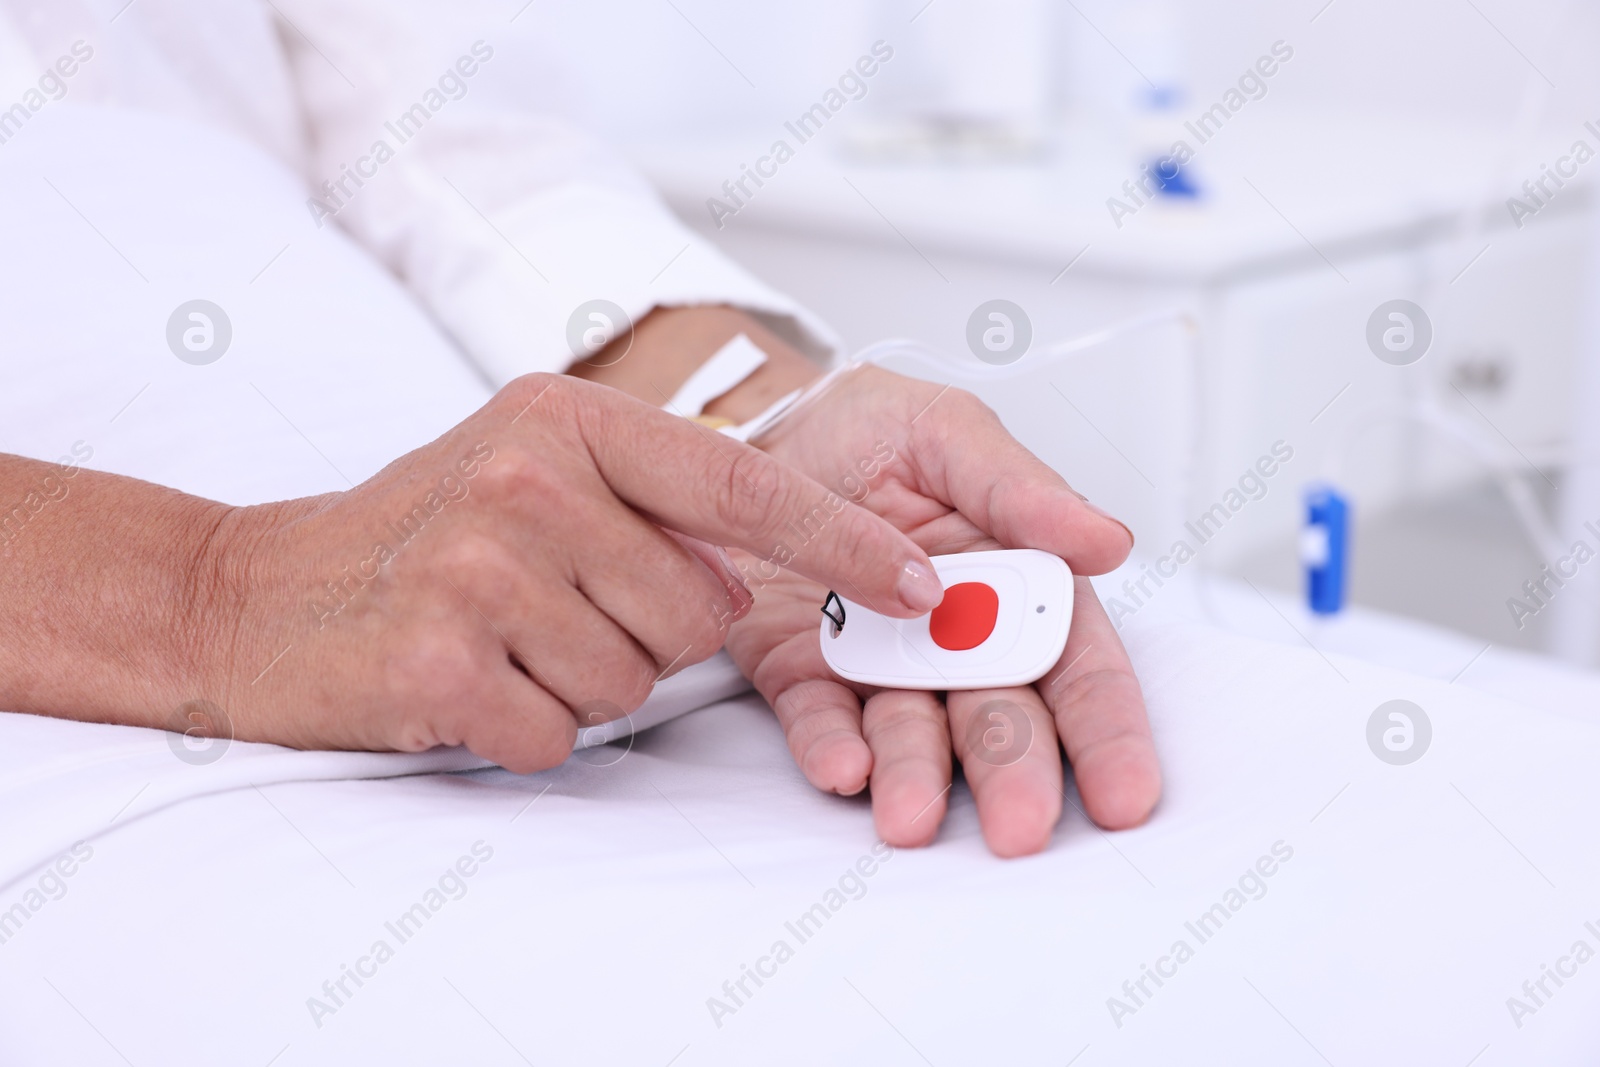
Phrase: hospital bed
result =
(682, 896)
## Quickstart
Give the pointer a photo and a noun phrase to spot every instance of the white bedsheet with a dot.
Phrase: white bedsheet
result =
(612, 898)
(627, 886)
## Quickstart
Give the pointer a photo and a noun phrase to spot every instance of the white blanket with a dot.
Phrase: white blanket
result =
(1405, 904)
(296, 908)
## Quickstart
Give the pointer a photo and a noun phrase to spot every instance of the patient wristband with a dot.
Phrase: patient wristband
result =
(727, 367)
(789, 405)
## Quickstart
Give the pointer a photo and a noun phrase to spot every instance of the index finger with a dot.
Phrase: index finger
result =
(1008, 492)
(1100, 715)
(707, 485)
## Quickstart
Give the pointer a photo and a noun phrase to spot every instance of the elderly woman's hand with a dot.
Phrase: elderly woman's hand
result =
(938, 465)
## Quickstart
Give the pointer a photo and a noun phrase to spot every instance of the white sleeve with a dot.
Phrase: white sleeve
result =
(501, 220)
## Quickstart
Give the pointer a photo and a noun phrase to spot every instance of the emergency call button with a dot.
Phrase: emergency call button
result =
(965, 617)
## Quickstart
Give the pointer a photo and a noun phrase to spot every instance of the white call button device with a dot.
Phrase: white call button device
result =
(1003, 621)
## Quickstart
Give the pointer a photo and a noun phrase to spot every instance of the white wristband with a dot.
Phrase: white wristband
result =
(727, 367)
(788, 405)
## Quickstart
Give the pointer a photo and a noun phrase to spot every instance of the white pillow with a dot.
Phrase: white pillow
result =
(115, 218)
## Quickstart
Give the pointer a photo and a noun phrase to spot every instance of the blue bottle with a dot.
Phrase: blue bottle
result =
(1325, 548)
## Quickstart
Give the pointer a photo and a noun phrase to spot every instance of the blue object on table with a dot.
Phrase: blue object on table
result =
(1325, 548)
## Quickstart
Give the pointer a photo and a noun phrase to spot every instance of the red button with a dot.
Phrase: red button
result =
(965, 617)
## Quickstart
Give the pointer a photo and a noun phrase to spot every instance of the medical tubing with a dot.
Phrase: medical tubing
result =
(1446, 424)
(1062, 352)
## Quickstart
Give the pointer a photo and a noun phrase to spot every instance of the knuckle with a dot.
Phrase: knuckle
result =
(523, 475)
(912, 721)
(811, 705)
(703, 632)
(967, 414)
(528, 754)
(969, 401)
(415, 733)
(631, 684)
(1095, 686)
(747, 494)
(963, 412)
(593, 713)
(538, 405)
(474, 571)
(469, 557)
(517, 396)
(432, 671)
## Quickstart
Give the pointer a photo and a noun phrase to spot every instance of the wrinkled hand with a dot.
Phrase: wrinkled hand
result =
(486, 588)
(938, 465)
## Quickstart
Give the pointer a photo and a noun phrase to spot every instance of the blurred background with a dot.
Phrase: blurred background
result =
(1335, 157)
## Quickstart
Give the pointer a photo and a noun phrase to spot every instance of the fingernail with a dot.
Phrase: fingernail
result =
(731, 578)
(919, 588)
(729, 571)
(1104, 514)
